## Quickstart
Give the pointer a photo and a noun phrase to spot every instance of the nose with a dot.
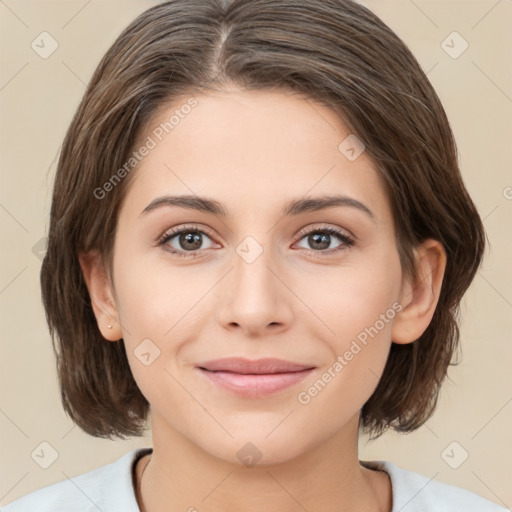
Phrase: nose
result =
(254, 297)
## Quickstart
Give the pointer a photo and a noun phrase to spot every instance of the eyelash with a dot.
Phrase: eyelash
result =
(345, 239)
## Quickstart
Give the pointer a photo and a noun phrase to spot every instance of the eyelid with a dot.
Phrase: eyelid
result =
(182, 227)
(324, 226)
(346, 238)
(302, 233)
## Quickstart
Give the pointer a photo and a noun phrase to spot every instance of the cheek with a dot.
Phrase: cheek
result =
(357, 305)
(351, 299)
(160, 309)
(154, 297)
(359, 310)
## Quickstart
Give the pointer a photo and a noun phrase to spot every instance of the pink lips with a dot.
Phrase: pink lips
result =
(253, 379)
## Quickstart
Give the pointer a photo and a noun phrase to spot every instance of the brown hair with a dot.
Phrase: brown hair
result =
(335, 52)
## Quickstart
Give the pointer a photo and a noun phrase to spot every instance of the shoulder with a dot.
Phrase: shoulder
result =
(413, 492)
(108, 488)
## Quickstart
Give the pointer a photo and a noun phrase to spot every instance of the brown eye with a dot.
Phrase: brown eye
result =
(189, 241)
(321, 240)
(185, 240)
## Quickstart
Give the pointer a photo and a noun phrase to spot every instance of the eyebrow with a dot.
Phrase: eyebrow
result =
(293, 207)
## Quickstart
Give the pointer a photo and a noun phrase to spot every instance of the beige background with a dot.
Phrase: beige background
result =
(38, 98)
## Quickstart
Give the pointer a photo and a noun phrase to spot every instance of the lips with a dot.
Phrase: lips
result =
(254, 379)
(257, 367)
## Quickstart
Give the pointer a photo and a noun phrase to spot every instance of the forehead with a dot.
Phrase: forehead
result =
(253, 148)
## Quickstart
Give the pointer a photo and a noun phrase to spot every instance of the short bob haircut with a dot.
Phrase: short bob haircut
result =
(335, 52)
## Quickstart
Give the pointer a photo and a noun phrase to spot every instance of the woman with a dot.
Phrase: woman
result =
(259, 230)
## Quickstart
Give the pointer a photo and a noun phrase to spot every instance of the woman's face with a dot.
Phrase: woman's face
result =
(262, 280)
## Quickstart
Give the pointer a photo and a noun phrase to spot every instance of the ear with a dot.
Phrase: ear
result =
(101, 293)
(419, 297)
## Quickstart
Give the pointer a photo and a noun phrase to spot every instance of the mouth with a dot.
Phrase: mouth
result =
(254, 379)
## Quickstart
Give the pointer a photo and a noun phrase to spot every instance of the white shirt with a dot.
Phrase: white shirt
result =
(109, 488)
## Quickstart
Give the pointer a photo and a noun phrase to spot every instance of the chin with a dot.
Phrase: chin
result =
(247, 450)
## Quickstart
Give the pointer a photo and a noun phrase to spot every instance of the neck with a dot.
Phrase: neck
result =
(327, 478)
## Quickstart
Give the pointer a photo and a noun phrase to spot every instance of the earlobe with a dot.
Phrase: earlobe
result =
(102, 297)
(420, 295)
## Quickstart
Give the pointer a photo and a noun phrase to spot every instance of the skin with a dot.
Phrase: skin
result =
(253, 152)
